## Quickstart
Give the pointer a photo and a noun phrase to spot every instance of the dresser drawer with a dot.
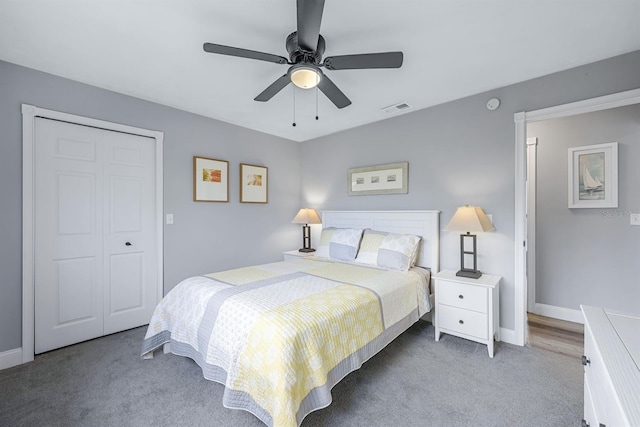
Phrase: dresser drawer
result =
(600, 388)
(589, 406)
(463, 296)
(462, 321)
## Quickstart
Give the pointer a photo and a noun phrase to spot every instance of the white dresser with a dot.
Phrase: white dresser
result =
(611, 368)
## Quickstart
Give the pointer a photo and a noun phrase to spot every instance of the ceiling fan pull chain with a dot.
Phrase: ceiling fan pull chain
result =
(317, 81)
(294, 105)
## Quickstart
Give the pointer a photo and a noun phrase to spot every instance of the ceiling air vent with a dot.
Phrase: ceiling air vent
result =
(396, 107)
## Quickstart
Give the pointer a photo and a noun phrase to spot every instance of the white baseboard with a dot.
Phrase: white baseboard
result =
(561, 313)
(508, 336)
(10, 358)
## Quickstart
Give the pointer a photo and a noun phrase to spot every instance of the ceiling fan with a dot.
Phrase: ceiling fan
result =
(306, 47)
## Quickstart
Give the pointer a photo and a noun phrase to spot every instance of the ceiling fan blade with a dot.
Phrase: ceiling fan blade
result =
(333, 93)
(364, 60)
(274, 88)
(243, 53)
(309, 19)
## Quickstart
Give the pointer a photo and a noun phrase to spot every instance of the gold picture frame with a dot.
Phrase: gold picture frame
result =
(254, 184)
(210, 180)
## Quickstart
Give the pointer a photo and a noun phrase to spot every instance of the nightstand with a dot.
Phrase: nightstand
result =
(468, 308)
(289, 255)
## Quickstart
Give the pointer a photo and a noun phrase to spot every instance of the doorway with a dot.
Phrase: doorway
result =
(521, 230)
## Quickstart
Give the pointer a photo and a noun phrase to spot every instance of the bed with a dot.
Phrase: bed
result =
(279, 336)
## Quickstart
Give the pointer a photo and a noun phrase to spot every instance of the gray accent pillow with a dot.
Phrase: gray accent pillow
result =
(322, 250)
(345, 243)
(398, 251)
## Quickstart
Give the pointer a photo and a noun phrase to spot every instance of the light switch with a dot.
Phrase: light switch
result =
(169, 218)
(634, 218)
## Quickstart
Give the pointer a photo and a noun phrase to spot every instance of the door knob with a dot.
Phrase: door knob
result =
(128, 244)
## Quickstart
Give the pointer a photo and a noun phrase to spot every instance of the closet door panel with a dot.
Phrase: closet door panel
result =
(130, 235)
(68, 235)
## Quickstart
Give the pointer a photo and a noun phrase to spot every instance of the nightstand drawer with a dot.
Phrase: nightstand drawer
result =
(462, 321)
(463, 296)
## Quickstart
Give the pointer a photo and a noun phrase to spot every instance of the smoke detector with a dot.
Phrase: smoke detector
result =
(493, 104)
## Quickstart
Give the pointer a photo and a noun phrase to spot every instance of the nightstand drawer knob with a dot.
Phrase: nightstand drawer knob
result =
(461, 322)
(585, 361)
(461, 296)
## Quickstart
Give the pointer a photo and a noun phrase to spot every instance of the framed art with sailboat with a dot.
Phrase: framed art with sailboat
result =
(593, 176)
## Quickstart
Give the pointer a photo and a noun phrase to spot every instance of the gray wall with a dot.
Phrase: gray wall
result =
(205, 236)
(458, 153)
(587, 256)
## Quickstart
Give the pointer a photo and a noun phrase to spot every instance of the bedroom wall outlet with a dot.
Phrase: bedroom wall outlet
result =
(634, 219)
(169, 218)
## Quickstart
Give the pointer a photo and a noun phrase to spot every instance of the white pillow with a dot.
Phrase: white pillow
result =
(398, 251)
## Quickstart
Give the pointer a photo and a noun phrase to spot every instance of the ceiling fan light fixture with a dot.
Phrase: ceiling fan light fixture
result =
(305, 77)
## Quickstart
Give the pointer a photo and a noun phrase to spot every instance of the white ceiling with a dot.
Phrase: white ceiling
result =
(152, 49)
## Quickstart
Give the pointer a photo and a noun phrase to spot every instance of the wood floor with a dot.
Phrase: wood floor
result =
(556, 335)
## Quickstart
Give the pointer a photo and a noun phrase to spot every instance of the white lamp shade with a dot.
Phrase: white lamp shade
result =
(470, 218)
(306, 216)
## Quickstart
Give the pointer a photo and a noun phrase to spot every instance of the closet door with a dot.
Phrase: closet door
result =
(93, 188)
(130, 264)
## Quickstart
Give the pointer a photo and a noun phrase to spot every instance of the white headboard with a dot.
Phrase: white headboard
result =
(420, 223)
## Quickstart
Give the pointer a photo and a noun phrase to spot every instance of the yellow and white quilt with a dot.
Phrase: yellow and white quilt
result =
(279, 336)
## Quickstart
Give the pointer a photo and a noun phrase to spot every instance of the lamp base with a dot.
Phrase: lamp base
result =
(306, 250)
(472, 274)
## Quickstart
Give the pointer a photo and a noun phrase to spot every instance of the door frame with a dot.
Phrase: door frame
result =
(532, 168)
(521, 120)
(29, 115)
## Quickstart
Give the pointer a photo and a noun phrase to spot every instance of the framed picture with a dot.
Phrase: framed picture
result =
(253, 183)
(593, 176)
(382, 179)
(210, 180)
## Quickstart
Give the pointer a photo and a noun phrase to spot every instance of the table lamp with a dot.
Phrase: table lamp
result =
(306, 216)
(469, 219)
